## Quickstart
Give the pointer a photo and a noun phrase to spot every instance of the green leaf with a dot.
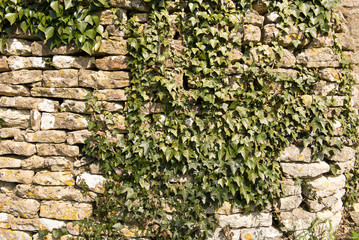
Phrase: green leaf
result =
(87, 47)
(49, 32)
(68, 4)
(55, 6)
(82, 26)
(11, 17)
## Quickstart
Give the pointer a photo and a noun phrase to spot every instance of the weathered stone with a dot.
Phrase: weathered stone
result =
(9, 133)
(34, 224)
(330, 74)
(9, 234)
(235, 55)
(111, 95)
(272, 17)
(26, 208)
(35, 119)
(73, 62)
(78, 137)
(95, 168)
(112, 47)
(16, 62)
(93, 182)
(74, 106)
(44, 105)
(73, 228)
(346, 40)
(70, 121)
(323, 88)
(13, 90)
(10, 162)
(118, 123)
(50, 136)
(323, 186)
(56, 164)
(298, 219)
(304, 170)
(347, 153)
(20, 176)
(112, 63)
(294, 153)
(67, 93)
(33, 162)
(320, 41)
(17, 148)
(101, 79)
(54, 178)
(270, 33)
(324, 203)
(253, 18)
(345, 166)
(17, 47)
(40, 49)
(318, 57)
(251, 34)
(355, 217)
(21, 77)
(269, 233)
(245, 220)
(109, 17)
(57, 150)
(290, 203)
(61, 78)
(3, 64)
(15, 118)
(287, 60)
(290, 188)
(138, 5)
(54, 193)
(65, 210)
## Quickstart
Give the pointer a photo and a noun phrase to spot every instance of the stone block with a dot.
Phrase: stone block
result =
(138, 5)
(347, 41)
(18, 47)
(322, 41)
(110, 16)
(51, 136)
(251, 33)
(70, 121)
(57, 150)
(40, 49)
(235, 55)
(13, 90)
(19, 176)
(115, 31)
(10, 133)
(74, 106)
(245, 220)
(347, 153)
(298, 219)
(10, 234)
(41, 104)
(330, 74)
(254, 18)
(17, 148)
(267, 233)
(10, 162)
(65, 210)
(322, 187)
(324, 203)
(290, 188)
(60, 62)
(26, 208)
(350, 3)
(56, 164)
(67, 93)
(112, 63)
(21, 77)
(345, 166)
(304, 170)
(111, 95)
(324, 88)
(77, 137)
(112, 47)
(294, 153)
(61, 78)
(15, 118)
(102, 79)
(17, 63)
(54, 178)
(35, 119)
(92, 182)
(3, 64)
(318, 57)
(270, 33)
(54, 193)
(33, 162)
(290, 203)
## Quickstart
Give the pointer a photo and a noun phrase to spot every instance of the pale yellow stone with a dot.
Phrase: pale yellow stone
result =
(26, 208)
(41, 104)
(61, 78)
(54, 178)
(104, 79)
(50, 136)
(15, 118)
(17, 148)
(67, 93)
(21, 77)
(57, 150)
(13, 90)
(20, 176)
(65, 210)
(111, 95)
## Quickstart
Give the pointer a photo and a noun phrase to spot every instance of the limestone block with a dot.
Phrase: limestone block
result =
(5, 220)
(290, 188)
(290, 203)
(350, 3)
(298, 219)
(324, 88)
(18, 47)
(269, 233)
(304, 170)
(254, 18)
(57, 150)
(345, 166)
(74, 106)
(111, 95)
(115, 30)
(54, 178)
(35, 119)
(40, 49)
(294, 153)
(15, 118)
(322, 41)
(9, 162)
(102, 79)
(65, 210)
(112, 47)
(235, 55)
(13, 90)
(51, 136)
(42, 104)
(73, 228)
(324, 203)
(346, 40)
(10, 133)
(93, 182)
(318, 57)
(26, 208)
(323, 186)
(9, 234)
(347, 153)
(61, 78)
(54, 193)
(56, 164)
(251, 34)
(245, 220)
(67, 93)
(34, 224)
(138, 5)
(20, 176)
(112, 63)
(270, 33)
(16, 62)
(330, 74)
(218, 234)
(17, 148)
(78, 137)
(21, 77)
(33, 162)
(70, 121)
(3, 64)
(73, 62)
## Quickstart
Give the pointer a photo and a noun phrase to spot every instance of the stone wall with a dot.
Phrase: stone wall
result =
(42, 105)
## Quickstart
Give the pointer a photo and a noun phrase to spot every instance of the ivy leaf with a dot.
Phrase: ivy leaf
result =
(82, 26)
(11, 17)
(87, 47)
(68, 4)
(49, 32)
(55, 6)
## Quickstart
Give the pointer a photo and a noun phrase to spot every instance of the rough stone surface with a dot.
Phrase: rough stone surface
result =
(67, 93)
(20, 176)
(16, 63)
(3, 64)
(78, 137)
(93, 182)
(304, 170)
(21, 77)
(293, 153)
(10, 162)
(65, 210)
(251, 34)
(267, 233)
(298, 219)
(111, 95)
(6, 234)
(42, 104)
(17, 47)
(57, 150)
(324, 203)
(17, 148)
(25, 208)
(13, 90)
(51, 136)
(102, 79)
(39, 49)
(112, 47)
(61, 78)
(112, 63)
(70, 121)
(290, 203)
(323, 186)
(15, 118)
(54, 178)
(318, 57)
(246, 220)
(73, 62)
(9, 133)
(347, 153)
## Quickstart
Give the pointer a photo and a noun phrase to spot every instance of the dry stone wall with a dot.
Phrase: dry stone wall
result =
(44, 124)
